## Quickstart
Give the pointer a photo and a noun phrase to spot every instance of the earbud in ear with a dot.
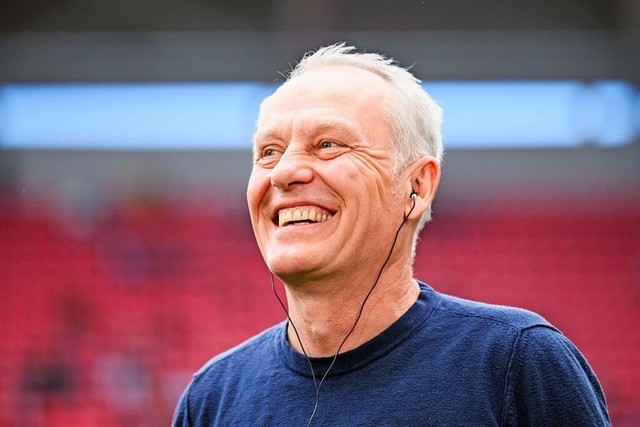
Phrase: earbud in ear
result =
(413, 194)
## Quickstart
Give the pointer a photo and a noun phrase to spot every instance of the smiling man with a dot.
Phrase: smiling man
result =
(346, 165)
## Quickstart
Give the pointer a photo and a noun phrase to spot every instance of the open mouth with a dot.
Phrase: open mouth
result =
(301, 215)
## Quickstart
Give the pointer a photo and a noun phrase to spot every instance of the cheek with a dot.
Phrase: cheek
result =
(368, 180)
(257, 188)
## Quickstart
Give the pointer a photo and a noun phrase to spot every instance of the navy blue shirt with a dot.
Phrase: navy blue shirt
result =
(445, 362)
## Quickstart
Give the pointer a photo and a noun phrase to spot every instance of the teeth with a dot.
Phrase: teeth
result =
(301, 214)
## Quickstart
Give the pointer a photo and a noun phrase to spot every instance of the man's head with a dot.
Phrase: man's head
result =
(341, 144)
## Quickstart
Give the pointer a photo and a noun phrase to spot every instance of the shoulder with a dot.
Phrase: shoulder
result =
(472, 330)
(228, 373)
(248, 352)
(499, 316)
(546, 377)
(551, 379)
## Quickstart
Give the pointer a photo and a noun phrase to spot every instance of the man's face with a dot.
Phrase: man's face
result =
(321, 197)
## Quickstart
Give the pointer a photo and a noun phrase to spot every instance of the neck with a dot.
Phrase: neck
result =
(324, 319)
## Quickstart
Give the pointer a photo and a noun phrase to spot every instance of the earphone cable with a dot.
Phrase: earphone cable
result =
(295, 330)
(355, 324)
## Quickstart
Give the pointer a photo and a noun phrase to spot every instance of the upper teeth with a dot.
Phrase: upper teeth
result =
(286, 216)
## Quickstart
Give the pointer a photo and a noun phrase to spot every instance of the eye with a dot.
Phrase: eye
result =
(327, 144)
(329, 149)
(268, 156)
(269, 151)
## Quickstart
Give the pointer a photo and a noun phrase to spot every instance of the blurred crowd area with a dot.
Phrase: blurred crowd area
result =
(106, 310)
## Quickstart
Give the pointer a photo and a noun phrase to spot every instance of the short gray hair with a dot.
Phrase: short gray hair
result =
(415, 119)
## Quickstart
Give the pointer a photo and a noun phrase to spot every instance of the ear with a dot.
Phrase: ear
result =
(423, 178)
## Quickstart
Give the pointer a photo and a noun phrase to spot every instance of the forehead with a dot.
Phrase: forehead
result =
(332, 96)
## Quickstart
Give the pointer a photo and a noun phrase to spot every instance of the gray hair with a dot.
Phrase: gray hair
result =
(415, 119)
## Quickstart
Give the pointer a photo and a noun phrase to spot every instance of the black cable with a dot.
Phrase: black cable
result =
(364, 302)
(313, 374)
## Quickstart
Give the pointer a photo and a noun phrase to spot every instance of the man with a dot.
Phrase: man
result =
(346, 165)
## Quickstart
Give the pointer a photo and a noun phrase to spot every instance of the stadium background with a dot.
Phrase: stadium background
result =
(122, 270)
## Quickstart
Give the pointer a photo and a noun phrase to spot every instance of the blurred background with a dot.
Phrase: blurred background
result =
(127, 258)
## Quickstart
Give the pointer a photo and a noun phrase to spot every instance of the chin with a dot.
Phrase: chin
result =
(286, 267)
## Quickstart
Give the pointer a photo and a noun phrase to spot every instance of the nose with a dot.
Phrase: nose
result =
(292, 169)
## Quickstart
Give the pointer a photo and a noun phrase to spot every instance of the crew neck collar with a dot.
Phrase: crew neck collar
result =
(368, 352)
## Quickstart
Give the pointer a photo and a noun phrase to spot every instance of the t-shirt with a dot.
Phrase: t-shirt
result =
(445, 362)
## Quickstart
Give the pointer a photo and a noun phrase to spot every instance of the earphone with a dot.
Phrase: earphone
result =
(317, 384)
